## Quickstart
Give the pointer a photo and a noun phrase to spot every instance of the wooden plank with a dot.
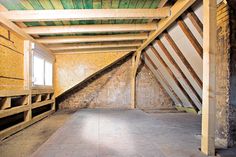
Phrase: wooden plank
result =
(42, 91)
(121, 49)
(43, 103)
(183, 59)
(84, 14)
(14, 110)
(171, 74)
(209, 76)
(98, 28)
(195, 21)
(9, 131)
(9, 93)
(191, 37)
(94, 45)
(27, 65)
(92, 38)
(133, 84)
(177, 71)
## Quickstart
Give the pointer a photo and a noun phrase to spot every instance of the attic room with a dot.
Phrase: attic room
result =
(117, 78)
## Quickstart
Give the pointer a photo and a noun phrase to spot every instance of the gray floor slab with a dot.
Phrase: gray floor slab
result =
(124, 133)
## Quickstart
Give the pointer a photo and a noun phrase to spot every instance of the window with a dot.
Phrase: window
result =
(42, 71)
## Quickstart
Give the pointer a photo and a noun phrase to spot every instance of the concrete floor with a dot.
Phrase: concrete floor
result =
(27, 141)
(124, 133)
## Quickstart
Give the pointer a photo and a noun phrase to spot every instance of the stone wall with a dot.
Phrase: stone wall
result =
(111, 89)
(226, 77)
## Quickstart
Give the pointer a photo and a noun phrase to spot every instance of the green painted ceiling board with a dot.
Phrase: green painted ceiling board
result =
(115, 4)
(97, 4)
(106, 4)
(78, 4)
(88, 4)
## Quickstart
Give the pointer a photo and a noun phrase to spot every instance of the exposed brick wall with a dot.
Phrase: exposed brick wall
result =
(111, 89)
(226, 77)
(222, 75)
(150, 94)
(232, 91)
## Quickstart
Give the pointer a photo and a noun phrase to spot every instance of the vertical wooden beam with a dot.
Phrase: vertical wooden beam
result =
(190, 36)
(133, 82)
(209, 74)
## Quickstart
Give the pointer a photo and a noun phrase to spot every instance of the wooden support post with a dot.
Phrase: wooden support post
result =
(133, 83)
(209, 73)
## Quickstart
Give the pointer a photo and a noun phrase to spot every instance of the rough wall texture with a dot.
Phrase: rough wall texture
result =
(222, 75)
(226, 77)
(11, 60)
(111, 89)
(71, 69)
(150, 94)
(232, 91)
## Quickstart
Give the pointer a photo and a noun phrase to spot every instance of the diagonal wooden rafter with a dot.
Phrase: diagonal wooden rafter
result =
(176, 10)
(191, 37)
(183, 59)
(85, 14)
(97, 28)
(186, 83)
(195, 21)
(173, 77)
(92, 38)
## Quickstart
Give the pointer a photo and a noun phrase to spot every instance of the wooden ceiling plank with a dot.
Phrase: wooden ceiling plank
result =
(99, 28)
(94, 38)
(191, 37)
(85, 14)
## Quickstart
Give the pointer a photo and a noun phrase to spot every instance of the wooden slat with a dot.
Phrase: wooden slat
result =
(5, 103)
(183, 59)
(209, 76)
(94, 45)
(84, 14)
(173, 77)
(185, 83)
(9, 93)
(133, 85)
(191, 37)
(98, 28)
(92, 38)
(121, 49)
(9, 131)
(42, 91)
(14, 110)
(195, 21)
(43, 103)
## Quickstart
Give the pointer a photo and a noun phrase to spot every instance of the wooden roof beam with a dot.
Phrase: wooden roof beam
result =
(93, 45)
(85, 14)
(98, 50)
(92, 38)
(98, 28)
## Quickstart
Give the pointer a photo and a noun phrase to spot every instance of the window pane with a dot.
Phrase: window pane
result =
(38, 73)
(48, 73)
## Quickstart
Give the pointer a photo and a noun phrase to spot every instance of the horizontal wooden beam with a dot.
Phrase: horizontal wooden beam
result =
(92, 38)
(85, 14)
(97, 28)
(98, 50)
(12, 26)
(93, 45)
